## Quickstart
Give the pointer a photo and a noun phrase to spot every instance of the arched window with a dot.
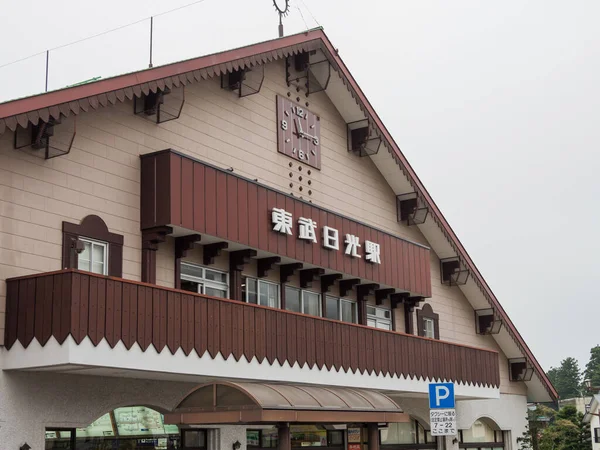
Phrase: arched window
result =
(428, 322)
(127, 427)
(483, 435)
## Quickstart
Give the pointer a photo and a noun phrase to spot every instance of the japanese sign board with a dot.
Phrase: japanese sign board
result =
(354, 435)
(443, 422)
(282, 222)
(441, 395)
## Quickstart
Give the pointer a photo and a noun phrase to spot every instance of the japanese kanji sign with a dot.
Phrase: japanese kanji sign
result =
(307, 230)
(443, 422)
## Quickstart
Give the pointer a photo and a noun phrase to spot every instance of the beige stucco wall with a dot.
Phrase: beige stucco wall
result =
(101, 176)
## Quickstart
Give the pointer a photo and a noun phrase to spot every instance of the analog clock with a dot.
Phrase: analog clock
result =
(298, 132)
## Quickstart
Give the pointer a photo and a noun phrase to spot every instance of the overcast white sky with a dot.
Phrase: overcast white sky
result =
(495, 104)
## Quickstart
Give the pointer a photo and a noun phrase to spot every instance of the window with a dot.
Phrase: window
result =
(194, 439)
(379, 318)
(302, 301)
(315, 436)
(428, 322)
(340, 309)
(401, 434)
(597, 435)
(94, 257)
(265, 438)
(429, 327)
(481, 436)
(204, 281)
(261, 292)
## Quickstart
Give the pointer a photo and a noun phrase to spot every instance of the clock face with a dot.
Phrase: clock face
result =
(298, 132)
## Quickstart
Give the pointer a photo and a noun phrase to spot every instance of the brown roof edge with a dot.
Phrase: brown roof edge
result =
(45, 100)
(446, 226)
(25, 105)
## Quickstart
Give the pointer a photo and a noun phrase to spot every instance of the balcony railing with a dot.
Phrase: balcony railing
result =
(82, 304)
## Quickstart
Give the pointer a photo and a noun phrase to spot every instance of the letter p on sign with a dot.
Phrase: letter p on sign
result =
(441, 395)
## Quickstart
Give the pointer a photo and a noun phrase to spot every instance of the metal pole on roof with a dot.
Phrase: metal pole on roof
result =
(151, 27)
(47, 63)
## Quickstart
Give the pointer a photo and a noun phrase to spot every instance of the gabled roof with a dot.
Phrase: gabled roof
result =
(345, 93)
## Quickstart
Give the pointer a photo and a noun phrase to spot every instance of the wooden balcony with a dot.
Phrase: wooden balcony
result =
(81, 304)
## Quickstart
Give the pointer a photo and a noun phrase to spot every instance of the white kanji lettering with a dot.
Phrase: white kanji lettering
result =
(352, 243)
(373, 252)
(331, 238)
(307, 229)
(282, 221)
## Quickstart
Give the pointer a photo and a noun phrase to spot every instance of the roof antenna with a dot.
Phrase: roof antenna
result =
(283, 11)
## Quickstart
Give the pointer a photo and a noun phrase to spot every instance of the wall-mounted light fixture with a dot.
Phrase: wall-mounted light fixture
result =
(236, 445)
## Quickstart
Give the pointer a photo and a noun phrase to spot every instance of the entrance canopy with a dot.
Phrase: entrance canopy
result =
(227, 402)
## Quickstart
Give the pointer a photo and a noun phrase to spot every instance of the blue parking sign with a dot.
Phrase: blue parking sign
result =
(441, 395)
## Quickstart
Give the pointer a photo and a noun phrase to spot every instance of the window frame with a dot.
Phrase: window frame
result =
(184, 431)
(302, 292)
(203, 281)
(260, 281)
(93, 242)
(379, 319)
(498, 441)
(597, 435)
(339, 301)
(415, 445)
(426, 312)
(428, 333)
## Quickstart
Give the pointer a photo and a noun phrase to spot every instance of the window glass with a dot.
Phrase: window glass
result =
(348, 311)
(270, 438)
(194, 439)
(292, 299)
(253, 438)
(251, 290)
(429, 327)
(308, 436)
(93, 257)
(58, 440)
(336, 438)
(269, 294)
(331, 304)
(379, 318)
(479, 432)
(420, 433)
(311, 303)
(205, 281)
(399, 433)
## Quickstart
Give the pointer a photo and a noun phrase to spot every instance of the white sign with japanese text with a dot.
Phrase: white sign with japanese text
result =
(443, 422)
(282, 222)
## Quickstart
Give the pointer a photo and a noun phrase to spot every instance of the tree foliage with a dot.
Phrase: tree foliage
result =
(567, 432)
(566, 378)
(592, 369)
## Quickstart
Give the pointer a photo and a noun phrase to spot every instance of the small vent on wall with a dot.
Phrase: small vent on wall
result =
(361, 140)
(308, 70)
(486, 322)
(453, 272)
(410, 209)
(520, 369)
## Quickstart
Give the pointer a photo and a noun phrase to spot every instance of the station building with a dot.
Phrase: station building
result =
(232, 252)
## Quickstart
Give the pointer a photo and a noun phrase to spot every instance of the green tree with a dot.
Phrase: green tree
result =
(592, 369)
(537, 420)
(566, 378)
(567, 432)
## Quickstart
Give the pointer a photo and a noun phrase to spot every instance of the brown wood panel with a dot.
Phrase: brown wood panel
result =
(307, 246)
(301, 340)
(417, 264)
(201, 326)
(125, 312)
(176, 322)
(162, 183)
(187, 324)
(386, 259)
(290, 337)
(148, 192)
(427, 272)
(369, 267)
(254, 219)
(271, 336)
(222, 228)
(405, 265)
(353, 336)
(281, 238)
(66, 305)
(110, 312)
(210, 200)
(148, 317)
(362, 266)
(164, 321)
(84, 307)
(118, 312)
(356, 262)
(199, 203)
(345, 330)
(12, 313)
(332, 255)
(38, 304)
(281, 342)
(170, 321)
(26, 311)
(290, 241)
(133, 314)
(93, 311)
(297, 212)
(311, 343)
(260, 336)
(243, 216)
(373, 351)
(329, 348)
(320, 344)
(101, 316)
(250, 331)
(362, 349)
(324, 253)
(347, 259)
(176, 187)
(272, 236)
(232, 209)
(140, 334)
(398, 263)
(214, 331)
(75, 305)
(225, 329)
(316, 248)
(264, 219)
(238, 330)
(411, 268)
(337, 339)
(187, 193)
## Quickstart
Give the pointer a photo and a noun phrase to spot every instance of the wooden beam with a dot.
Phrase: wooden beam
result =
(382, 294)
(362, 291)
(329, 280)
(307, 276)
(182, 245)
(347, 285)
(151, 237)
(287, 270)
(239, 258)
(263, 265)
(398, 298)
(211, 251)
